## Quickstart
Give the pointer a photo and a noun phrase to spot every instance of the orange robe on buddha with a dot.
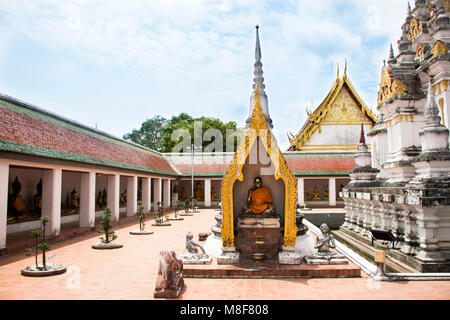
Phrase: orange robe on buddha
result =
(260, 199)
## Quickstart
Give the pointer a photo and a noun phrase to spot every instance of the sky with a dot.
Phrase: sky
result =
(112, 64)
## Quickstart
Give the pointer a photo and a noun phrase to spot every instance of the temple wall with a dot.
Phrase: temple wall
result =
(335, 138)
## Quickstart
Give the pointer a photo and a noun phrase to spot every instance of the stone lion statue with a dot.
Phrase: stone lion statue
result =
(169, 281)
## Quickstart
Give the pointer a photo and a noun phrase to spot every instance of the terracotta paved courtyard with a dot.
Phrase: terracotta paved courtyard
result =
(130, 273)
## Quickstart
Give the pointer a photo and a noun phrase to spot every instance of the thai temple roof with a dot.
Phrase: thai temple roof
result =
(315, 118)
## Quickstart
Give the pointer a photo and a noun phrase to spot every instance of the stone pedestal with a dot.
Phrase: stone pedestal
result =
(259, 235)
(195, 258)
(337, 258)
(288, 255)
(229, 256)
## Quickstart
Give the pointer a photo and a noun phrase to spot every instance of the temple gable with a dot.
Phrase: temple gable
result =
(335, 123)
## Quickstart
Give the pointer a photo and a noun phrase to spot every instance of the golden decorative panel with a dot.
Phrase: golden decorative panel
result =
(439, 48)
(258, 128)
(414, 28)
(405, 117)
(440, 87)
(420, 50)
(446, 4)
(389, 86)
(344, 109)
(441, 105)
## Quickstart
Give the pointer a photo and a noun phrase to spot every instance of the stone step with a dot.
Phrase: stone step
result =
(368, 251)
(271, 269)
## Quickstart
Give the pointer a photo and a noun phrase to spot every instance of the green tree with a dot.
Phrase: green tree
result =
(150, 133)
(105, 223)
(156, 133)
(186, 122)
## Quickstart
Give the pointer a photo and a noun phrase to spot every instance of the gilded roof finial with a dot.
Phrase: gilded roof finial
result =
(337, 73)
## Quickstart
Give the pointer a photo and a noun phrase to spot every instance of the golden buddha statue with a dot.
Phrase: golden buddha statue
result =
(308, 196)
(183, 194)
(17, 205)
(316, 195)
(37, 199)
(74, 200)
(326, 194)
(259, 200)
(198, 193)
(99, 202)
(123, 198)
(213, 194)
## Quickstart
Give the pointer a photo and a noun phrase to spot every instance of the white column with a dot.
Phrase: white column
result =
(332, 191)
(166, 190)
(207, 192)
(113, 196)
(4, 180)
(51, 200)
(301, 191)
(132, 185)
(156, 193)
(146, 188)
(87, 200)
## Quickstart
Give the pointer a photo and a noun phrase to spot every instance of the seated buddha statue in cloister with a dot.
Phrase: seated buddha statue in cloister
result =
(259, 200)
(17, 206)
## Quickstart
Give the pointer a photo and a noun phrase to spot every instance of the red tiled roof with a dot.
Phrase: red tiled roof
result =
(26, 130)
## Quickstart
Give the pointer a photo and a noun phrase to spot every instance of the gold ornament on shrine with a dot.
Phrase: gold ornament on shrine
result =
(420, 50)
(389, 86)
(415, 27)
(446, 4)
(439, 48)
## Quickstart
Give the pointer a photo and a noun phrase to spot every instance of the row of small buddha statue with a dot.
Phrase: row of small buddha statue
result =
(19, 210)
(315, 196)
(17, 207)
(199, 194)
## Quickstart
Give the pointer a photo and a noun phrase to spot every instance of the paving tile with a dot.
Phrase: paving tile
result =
(130, 273)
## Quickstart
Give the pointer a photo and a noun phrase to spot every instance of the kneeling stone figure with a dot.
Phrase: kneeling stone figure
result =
(192, 254)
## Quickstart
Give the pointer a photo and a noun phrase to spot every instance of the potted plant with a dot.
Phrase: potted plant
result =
(142, 215)
(177, 207)
(186, 206)
(108, 241)
(194, 204)
(44, 269)
(158, 216)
